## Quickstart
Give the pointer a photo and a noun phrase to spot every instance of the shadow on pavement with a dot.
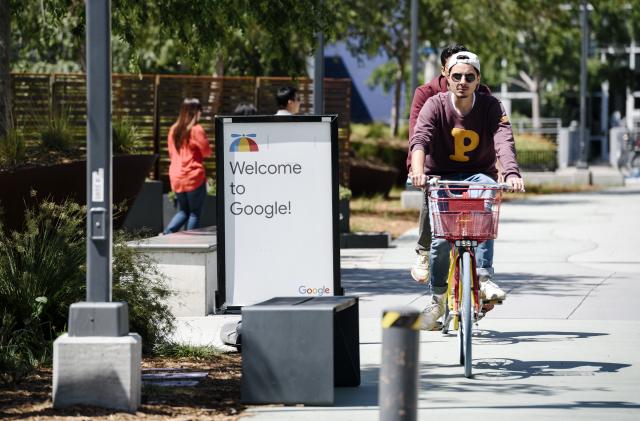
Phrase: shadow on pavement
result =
(493, 337)
(551, 285)
(507, 368)
(380, 281)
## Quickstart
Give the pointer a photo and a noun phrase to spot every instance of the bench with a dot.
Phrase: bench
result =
(297, 349)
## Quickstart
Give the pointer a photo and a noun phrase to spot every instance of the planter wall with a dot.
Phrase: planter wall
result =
(370, 179)
(68, 181)
(146, 211)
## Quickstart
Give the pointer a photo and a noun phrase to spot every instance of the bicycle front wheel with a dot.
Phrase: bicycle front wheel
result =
(465, 316)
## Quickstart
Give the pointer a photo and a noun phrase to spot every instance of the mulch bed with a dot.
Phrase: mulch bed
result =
(216, 397)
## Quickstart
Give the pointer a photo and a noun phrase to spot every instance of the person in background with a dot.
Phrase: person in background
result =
(188, 147)
(288, 101)
(245, 108)
(420, 269)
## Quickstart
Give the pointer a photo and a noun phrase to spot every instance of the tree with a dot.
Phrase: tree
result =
(369, 30)
(242, 37)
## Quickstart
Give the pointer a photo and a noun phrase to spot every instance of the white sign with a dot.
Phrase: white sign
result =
(278, 194)
(97, 185)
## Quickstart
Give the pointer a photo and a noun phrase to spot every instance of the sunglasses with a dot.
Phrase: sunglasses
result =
(469, 77)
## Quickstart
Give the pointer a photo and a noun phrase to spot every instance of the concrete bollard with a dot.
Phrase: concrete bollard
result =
(398, 391)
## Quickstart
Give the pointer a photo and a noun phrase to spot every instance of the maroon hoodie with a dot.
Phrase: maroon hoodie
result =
(423, 93)
(470, 144)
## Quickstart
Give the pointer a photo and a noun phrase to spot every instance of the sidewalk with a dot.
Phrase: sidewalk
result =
(564, 344)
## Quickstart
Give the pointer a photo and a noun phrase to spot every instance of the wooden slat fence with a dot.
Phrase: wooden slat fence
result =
(152, 102)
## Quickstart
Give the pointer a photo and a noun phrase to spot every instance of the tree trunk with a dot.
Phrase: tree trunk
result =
(533, 86)
(535, 103)
(395, 107)
(5, 66)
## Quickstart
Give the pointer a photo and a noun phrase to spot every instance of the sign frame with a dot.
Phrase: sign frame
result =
(332, 119)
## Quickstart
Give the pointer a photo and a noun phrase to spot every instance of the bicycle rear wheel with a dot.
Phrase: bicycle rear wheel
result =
(465, 315)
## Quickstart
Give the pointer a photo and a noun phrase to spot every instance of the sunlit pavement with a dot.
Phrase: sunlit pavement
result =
(564, 344)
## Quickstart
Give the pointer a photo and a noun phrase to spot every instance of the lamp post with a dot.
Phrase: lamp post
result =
(98, 361)
(414, 46)
(584, 136)
(318, 76)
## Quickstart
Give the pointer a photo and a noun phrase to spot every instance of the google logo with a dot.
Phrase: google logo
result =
(314, 291)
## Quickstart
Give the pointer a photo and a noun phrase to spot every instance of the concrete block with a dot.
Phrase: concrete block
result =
(606, 176)
(99, 319)
(412, 199)
(568, 176)
(188, 261)
(97, 370)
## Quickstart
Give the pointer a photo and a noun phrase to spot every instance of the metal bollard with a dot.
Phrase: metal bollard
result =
(398, 391)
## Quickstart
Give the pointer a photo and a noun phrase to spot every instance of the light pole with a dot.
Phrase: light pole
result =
(584, 136)
(318, 76)
(98, 361)
(414, 46)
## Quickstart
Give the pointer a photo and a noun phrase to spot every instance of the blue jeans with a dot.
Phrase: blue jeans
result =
(441, 248)
(189, 209)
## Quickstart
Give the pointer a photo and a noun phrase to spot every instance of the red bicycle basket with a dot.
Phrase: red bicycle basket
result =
(464, 213)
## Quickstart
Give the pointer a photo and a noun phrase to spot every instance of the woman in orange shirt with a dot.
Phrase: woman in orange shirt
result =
(188, 146)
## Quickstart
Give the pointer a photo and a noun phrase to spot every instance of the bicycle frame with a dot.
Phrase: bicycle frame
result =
(465, 214)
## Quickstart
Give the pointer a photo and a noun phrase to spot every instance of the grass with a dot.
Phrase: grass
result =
(176, 350)
(378, 214)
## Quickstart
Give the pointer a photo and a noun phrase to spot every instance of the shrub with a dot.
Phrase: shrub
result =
(125, 136)
(211, 186)
(41, 274)
(56, 133)
(43, 271)
(531, 141)
(12, 148)
(344, 193)
(535, 152)
(137, 281)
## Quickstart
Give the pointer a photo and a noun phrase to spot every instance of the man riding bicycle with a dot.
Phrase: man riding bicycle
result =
(458, 136)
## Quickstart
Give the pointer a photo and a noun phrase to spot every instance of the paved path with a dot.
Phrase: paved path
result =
(566, 343)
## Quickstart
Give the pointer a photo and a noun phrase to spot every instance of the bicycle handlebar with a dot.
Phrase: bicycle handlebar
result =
(435, 181)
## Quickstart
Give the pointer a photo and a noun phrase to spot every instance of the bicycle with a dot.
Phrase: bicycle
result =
(465, 214)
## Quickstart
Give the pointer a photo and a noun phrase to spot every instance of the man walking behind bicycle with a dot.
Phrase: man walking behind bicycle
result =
(458, 136)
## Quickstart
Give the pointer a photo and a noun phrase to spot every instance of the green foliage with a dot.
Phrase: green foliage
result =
(374, 144)
(344, 193)
(12, 148)
(176, 350)
(137, 281)
(125, 136)
(42, 272)
(211, 187)
(56, 133)
(209, 36)
(534, 142)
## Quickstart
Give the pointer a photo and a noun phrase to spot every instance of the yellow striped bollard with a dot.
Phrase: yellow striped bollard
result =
(398, 391)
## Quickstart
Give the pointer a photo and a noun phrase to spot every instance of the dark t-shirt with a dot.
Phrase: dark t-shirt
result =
(465, 144)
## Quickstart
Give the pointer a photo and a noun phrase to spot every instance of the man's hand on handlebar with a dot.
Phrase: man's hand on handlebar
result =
(516, 183)
(418, 180)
